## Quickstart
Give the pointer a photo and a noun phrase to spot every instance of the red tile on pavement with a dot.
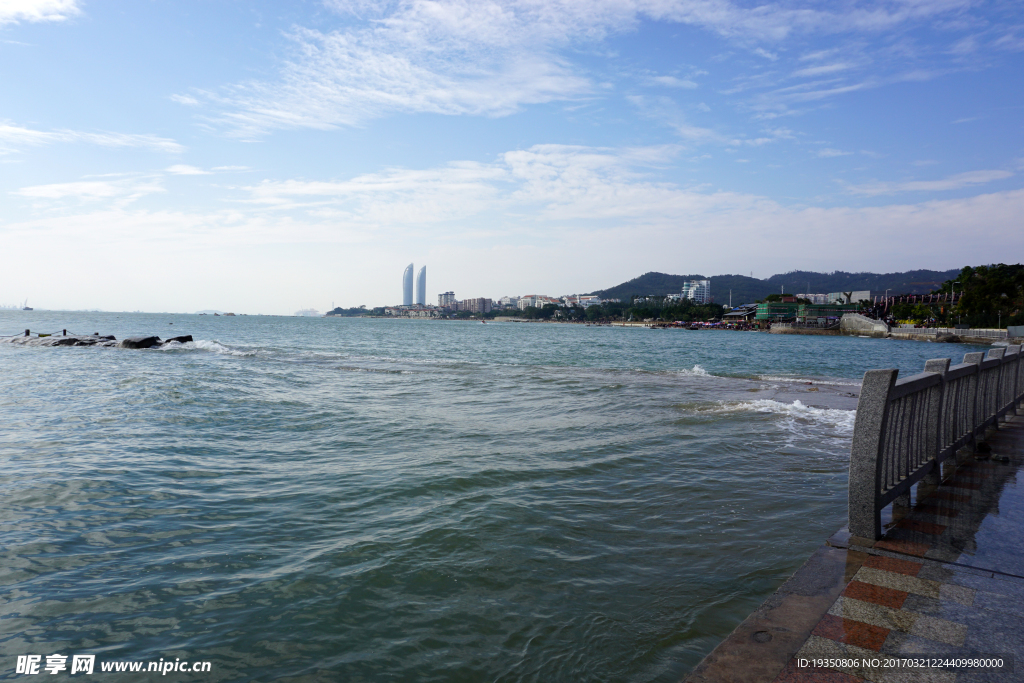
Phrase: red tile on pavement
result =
(904, 547)
(923, 527)
(851, 632)
(891, 564)
(880, 595)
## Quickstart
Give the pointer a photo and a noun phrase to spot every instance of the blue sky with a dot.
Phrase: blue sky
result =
(265, 157)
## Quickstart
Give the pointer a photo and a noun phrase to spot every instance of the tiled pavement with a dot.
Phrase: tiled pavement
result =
(946, 579)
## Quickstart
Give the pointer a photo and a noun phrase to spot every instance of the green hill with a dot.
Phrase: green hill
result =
(749, 289)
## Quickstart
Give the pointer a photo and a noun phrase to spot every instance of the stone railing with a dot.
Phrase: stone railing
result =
(987, 333)
(907, 428)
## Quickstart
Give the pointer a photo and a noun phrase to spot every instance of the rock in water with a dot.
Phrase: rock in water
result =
(139, 342)
(181, 340)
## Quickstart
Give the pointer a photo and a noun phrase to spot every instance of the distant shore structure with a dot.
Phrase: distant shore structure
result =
(407, 286)
(697, 291)
(421, 287)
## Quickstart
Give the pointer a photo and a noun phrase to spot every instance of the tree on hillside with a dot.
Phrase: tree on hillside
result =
(992, 295)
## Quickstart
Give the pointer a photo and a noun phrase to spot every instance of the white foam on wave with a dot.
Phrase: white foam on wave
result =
(210, 345)
(696, 371)
(805, 380)
(841, 420)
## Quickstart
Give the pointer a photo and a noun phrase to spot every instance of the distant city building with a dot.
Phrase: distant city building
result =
(508, 300)
(421, 287)
(480, 305)
(446, 300)
(697, 291)
(539, 301)
(407, 286)
(814, 298)
(304, 313)
(526, 301)
(583, 300)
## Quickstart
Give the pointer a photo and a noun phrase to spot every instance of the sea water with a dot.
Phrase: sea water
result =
(328, 499)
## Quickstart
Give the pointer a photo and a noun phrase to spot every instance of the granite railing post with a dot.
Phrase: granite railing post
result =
(938, 413)
(1018, 386)
(996, 388)
(868, 440)
(978, 403)
(1008, 381)
(1020, 380)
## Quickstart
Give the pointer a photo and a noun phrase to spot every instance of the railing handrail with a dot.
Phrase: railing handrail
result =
(907, 427)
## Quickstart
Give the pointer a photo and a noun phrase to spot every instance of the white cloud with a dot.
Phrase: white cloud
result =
(187, 100)
(602, 208)
(19, 136)
(829, 153)
(184, 169)
(92, 190)
(823, 69)
(955, 182)
(492, 57)
(672, 82)
(14, 11)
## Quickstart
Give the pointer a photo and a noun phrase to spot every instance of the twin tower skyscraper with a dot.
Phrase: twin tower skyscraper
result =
(421, 286)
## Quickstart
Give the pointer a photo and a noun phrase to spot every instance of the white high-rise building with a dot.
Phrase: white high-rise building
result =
(697, 291)
(407, 286)
(421, 287)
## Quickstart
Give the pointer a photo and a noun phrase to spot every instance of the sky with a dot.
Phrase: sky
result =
(263, 157)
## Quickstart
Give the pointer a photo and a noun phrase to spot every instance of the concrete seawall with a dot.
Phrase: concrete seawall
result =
(805, 330)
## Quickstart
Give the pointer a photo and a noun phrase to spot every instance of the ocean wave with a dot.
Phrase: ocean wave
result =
(841, 420)
(808, 380)
(212, 346)
(696, 371)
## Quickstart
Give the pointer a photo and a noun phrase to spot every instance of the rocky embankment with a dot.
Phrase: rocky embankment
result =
(93, 340)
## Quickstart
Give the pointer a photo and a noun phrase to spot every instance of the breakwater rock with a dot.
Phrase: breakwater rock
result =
(93, 340)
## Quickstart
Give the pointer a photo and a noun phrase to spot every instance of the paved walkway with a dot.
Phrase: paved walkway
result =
(947, 579)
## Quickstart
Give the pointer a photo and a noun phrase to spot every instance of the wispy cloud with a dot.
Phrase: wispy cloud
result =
(596, 200)
(822, 69)
(184, 169)
(458, 57)
(15, 11)
(671, 82)
(187, 100)
(954, 182)
(92, 190)
(18, 136)
(828, 153)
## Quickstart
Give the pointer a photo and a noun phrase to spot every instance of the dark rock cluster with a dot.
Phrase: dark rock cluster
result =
(93, 340)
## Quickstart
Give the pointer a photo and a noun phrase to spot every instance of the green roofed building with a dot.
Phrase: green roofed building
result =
(775, 311)
(809, 313)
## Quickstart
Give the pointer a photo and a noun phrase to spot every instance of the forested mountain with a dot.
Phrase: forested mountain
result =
(749, 289)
